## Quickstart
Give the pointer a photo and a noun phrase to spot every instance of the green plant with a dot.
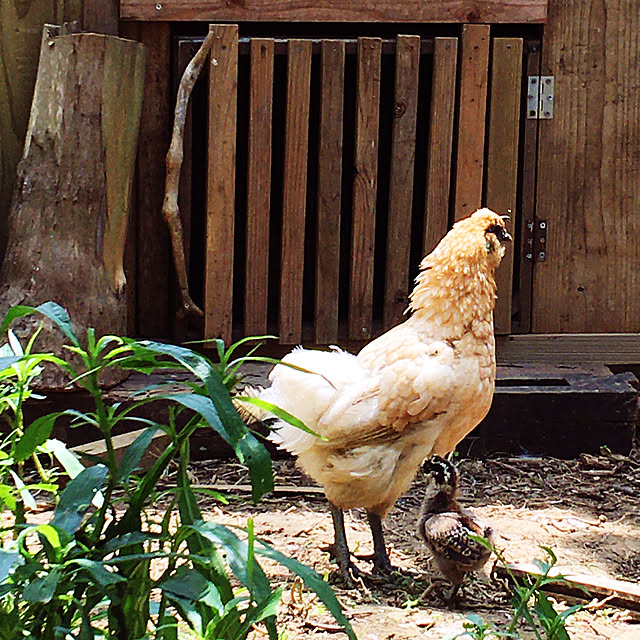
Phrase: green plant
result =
(92, 570)
(530, 603)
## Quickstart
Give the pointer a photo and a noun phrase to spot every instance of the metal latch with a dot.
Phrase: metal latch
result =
(535, 240)
(540, 97)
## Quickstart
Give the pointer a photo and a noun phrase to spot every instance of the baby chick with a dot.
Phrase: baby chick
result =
(446, 526)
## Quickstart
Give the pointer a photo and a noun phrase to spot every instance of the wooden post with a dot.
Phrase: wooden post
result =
(68, 220)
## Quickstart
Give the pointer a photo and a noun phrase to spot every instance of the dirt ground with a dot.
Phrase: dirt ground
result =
(587, 510)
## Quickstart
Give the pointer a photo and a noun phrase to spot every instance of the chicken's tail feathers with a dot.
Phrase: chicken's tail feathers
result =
(248, 411)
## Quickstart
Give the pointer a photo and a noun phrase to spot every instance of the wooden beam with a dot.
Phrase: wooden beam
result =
(474, 73)
(329, 191)
(221, 170)
(294, 197)
(460, 11)
(100, 16)
(502, 159)
(365, 188)
(585, 348)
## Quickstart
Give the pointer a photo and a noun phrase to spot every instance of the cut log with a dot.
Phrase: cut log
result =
(68, 219)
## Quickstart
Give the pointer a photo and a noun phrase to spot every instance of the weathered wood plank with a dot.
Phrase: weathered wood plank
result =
(294, 190)
(365, 185)
(329, 191)
(502, 159)
(403, 151)
(578, 348)
(528, 207)
(443, 99)
(474, 65)
(152, 237)
(221, 174)
(258, 186)
(518, 11)
(588, 169)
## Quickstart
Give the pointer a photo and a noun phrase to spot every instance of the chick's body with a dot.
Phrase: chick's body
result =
(447, 527)
(416, 390)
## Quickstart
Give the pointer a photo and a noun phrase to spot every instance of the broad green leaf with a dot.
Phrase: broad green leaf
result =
(76, 498)
(34, 435)
(312, 580)
(205, 407)
(48, 532)
(189, 584)
(57, 314)
(9, 560)
(266, 609)
(8, 361)
(98, 571)
(134, 454)
(128, 539)
(42, 589)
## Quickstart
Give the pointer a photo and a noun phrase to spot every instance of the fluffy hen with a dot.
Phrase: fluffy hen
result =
(415, 391)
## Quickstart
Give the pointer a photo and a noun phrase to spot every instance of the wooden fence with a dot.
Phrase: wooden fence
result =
(396, 152)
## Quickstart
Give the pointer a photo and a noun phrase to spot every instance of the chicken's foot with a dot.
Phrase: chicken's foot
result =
(381, 562)
(340, 549)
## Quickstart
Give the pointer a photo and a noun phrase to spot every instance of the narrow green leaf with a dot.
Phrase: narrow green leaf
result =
(313, 581)
(134, 454)
(279, 413)
(36, 434)
(76, 498)
(236, 552)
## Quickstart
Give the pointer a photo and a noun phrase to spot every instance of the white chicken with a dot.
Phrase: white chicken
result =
(415, 391)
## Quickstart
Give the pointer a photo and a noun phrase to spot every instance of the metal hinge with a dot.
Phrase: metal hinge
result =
(535, 241)
(540, 97)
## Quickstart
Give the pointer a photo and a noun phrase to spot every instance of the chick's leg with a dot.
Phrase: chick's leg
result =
(381, 560)
(340, 547)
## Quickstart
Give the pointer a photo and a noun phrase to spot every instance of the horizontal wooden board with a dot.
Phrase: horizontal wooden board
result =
(579, 348)
(463, 11)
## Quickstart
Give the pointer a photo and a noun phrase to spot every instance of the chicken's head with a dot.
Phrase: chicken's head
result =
(441, 477)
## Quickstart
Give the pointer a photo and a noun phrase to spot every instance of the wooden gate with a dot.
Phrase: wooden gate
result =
(334, 164)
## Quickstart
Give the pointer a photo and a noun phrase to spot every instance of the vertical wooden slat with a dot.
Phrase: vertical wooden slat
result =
(294, 190)
(474, 66)
(153, 248)
(502, 158)
(528, 212)
(221, 156)
(101, 16)
(403, 151)
(329, 191)
(365, 188)
(258, 186)
(443, 100)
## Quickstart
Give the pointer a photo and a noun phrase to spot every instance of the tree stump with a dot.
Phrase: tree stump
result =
(68, 218)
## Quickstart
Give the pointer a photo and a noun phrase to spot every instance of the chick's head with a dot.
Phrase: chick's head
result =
(441, 478)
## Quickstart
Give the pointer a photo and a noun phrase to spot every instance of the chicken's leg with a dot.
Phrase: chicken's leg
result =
(340, 548)
(381, 560)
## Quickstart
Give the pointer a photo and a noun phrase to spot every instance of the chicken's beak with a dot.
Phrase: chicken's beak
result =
(503, 235)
